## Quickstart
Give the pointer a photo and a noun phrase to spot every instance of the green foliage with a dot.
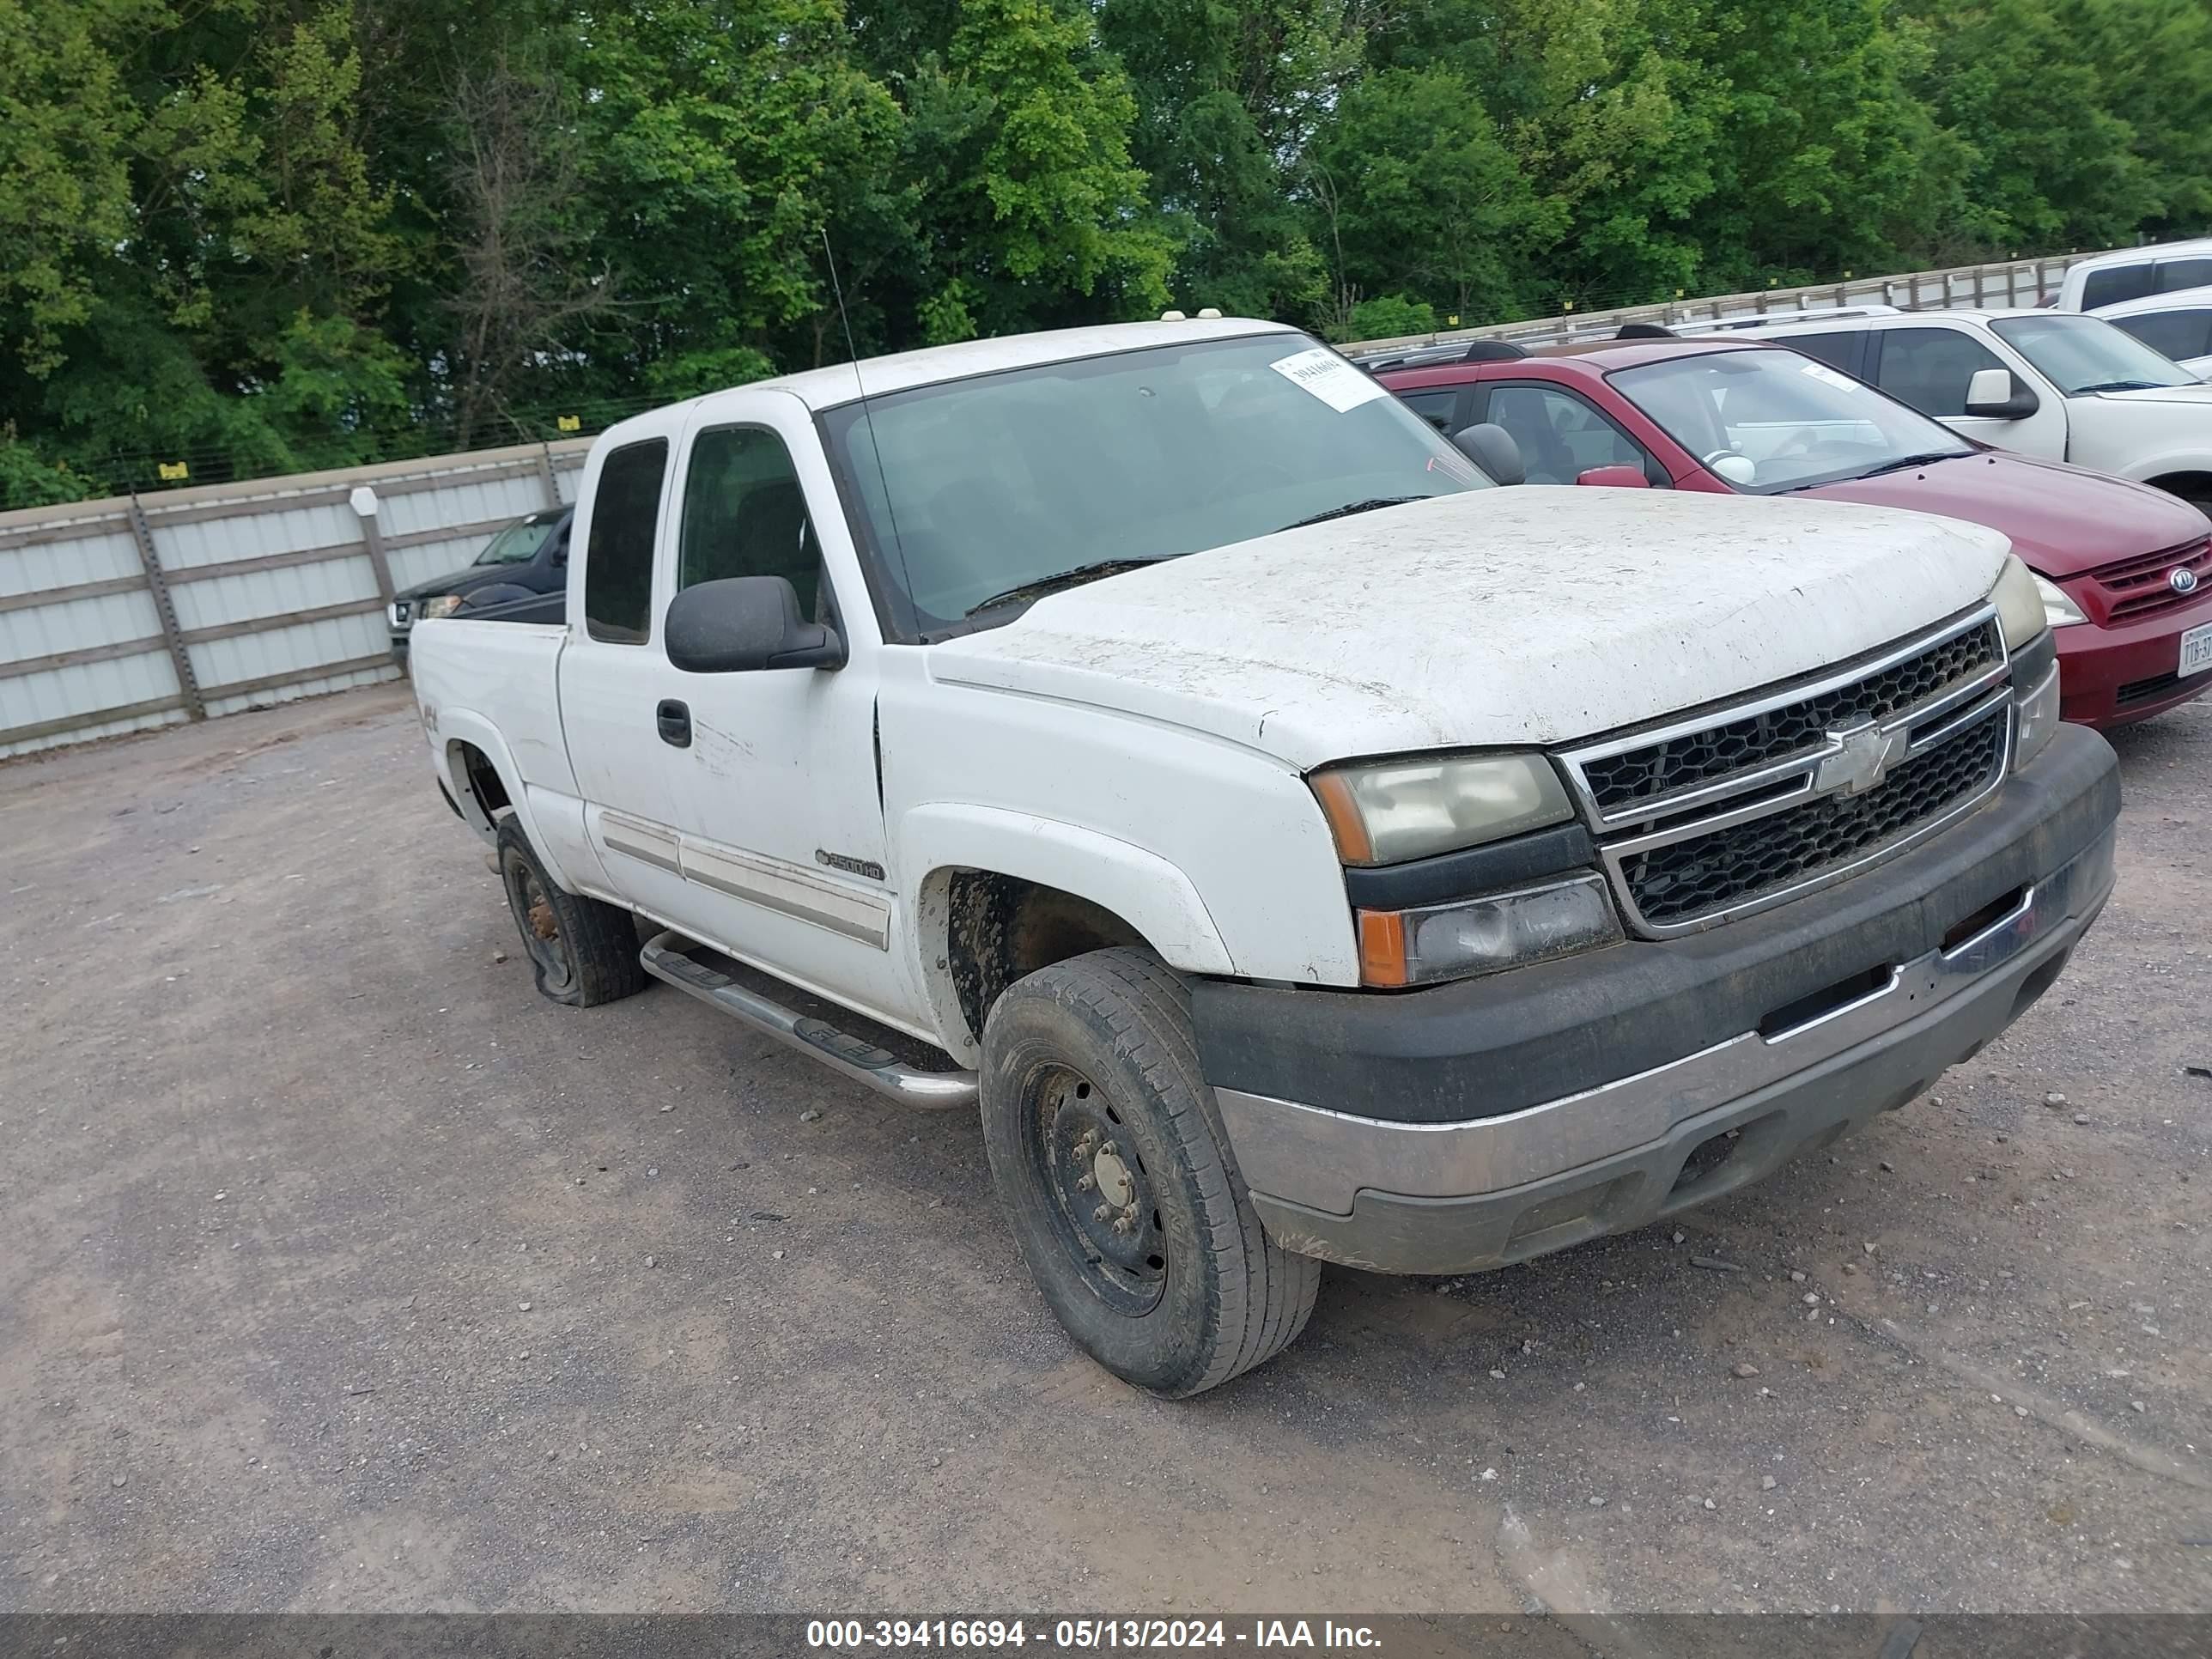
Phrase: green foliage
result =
(1391, 317)
(266, 235)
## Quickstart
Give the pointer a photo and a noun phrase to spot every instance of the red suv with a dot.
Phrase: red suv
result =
(2125, 570)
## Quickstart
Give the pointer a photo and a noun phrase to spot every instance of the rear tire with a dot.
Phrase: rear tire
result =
(582, 953)
(1109, 1156)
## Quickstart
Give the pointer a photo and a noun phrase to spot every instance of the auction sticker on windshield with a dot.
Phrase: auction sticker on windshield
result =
(2196, 651)
(1329, 377)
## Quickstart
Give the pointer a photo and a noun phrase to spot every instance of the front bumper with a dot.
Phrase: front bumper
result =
(2110, 676)
(1485, 1122)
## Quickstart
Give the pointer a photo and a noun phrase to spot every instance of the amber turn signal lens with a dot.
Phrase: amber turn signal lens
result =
(1382, 947)
(1333, 791)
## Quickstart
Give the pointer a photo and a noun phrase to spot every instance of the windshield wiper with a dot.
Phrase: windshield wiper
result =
(1043, 585)
(1903, 461)
(1351, 508)
(2116, 385)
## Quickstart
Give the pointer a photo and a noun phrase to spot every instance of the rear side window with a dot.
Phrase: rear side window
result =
(1436, 407)
(1931, 367)
(2110, 287)
(2175, 334)
(618, 561)
(1561, 437)
(1839, 349)
(2174, 274)
(745, 514)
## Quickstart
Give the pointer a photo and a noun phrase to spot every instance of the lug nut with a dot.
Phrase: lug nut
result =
(1102, 1213)
(1084, 1183)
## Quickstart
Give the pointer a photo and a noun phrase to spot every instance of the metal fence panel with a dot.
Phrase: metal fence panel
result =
(270, 582)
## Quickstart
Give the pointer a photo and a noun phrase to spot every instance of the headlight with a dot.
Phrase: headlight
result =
(1391, 811)
(1483, 935)
(2058, 610)
(2027, 604)
(444, 605)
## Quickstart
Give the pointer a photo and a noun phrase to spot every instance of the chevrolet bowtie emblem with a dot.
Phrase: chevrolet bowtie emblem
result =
(1864, 755)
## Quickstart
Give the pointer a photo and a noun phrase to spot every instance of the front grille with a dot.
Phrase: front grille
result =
(2143, 586)
(1619, 780)
(1709, 818)
(1730, 866)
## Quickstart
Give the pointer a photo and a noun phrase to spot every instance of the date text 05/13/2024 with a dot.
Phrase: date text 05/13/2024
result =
(1086, 1635)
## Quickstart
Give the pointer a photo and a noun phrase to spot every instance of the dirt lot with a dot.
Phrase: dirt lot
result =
(339, 1271)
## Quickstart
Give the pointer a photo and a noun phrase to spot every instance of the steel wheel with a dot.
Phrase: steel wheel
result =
(540, 927)
(1104, 1211)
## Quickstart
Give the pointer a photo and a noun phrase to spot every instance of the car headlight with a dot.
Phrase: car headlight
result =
(1387, 812)
(444, 605)
(2058, 611)
(1483, 935)
(2027, 604)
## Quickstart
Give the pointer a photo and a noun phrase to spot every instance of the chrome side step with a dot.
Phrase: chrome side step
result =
(664, 957)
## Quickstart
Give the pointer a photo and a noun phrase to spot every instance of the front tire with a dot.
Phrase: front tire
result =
(582, 953)
(1109, 1157)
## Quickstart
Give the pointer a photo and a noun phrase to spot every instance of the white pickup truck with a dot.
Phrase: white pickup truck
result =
(1299, 849)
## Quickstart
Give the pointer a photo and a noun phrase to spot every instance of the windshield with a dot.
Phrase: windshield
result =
(2087, 354)
(1797, 423)
(1002, 481)
(519, 543)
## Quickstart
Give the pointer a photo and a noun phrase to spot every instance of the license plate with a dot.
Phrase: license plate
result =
(2196, 651)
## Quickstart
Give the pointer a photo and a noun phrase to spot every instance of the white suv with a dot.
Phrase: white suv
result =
(2133, 273)
(2062, 386)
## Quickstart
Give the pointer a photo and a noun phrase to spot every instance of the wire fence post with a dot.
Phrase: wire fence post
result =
(171, 636)
(545, 471)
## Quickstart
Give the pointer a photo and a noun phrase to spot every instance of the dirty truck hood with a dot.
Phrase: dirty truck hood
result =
(1499, 617)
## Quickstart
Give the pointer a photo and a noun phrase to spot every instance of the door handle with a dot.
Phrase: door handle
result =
(674, 720)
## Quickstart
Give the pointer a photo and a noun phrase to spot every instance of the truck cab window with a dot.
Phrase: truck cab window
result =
(618, 559)
(2179, 335)
(1930, 369)
(745, 514)
(1838, 348)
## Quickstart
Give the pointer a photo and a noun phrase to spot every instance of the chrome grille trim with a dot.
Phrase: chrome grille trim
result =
(1771, 786)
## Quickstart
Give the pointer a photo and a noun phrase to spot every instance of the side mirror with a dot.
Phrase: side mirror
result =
(1619, 477)
(745, 623)
(1996, 394)
(1491, 447)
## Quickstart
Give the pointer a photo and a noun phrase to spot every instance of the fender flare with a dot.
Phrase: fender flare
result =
(456, 727)
(2146, 468)
(1144, 890)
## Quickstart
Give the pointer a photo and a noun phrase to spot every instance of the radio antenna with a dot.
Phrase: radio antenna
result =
(868, 418)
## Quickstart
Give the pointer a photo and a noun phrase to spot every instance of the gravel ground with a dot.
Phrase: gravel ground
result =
(339, 1271)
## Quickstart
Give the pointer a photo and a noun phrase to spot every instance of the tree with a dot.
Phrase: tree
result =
(1035, 214)
(532, 284)
(1427, 198)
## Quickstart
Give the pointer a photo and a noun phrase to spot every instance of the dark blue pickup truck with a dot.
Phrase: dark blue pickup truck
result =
(521, 575)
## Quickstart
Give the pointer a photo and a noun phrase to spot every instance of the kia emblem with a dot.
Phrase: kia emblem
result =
(2181, 578)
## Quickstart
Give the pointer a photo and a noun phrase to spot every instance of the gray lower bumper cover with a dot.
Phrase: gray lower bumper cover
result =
(1457, 1196)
